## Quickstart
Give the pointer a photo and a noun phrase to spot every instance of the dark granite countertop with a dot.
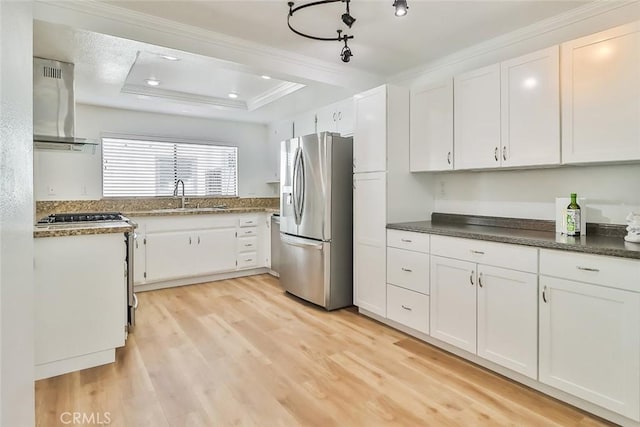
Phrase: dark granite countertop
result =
(600, 239)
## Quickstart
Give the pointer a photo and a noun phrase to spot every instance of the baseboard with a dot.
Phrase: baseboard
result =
(64, 366)
(200, 279)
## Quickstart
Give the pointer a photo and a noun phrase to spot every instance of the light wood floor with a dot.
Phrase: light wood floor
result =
(240, 352)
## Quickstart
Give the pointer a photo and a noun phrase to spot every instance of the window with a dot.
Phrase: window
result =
(133, 168)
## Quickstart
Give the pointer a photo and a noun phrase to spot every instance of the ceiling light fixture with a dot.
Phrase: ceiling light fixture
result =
(170, 58)
(401, 7)
(153, 82)
(266, 77)
(232, 95)
(346, 17)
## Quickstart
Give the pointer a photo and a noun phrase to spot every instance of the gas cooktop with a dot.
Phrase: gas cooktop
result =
(82, 217)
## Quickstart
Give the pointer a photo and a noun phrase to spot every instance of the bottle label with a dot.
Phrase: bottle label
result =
(573, 222)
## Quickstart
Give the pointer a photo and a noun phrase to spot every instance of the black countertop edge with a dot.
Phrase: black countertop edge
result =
(593, 243)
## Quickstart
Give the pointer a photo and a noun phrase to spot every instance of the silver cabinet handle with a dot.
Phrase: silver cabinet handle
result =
(334, 117)
(249, 259)
(408, 270)
(339, 115)
(405, 307)
(198, 239)
(406, 240)
(544, 294)
(249, 222)
(189, 239)
(480, 280)
(495, 154)
(594, 270)
(471, 277)
(449, 157)
(504, 153)
(135, 301)
(477, 252)
(248, 245)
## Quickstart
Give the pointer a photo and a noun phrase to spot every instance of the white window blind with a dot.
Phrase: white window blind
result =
(134, 168)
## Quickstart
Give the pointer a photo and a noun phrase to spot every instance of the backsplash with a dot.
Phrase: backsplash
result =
(44, 208)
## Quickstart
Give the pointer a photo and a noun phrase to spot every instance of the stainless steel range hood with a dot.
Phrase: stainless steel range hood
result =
(54, 105)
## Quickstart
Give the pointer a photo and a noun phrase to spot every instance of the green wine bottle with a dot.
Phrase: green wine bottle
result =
(573, 217)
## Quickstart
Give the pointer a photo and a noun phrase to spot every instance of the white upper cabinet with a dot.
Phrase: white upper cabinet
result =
(278, 132)
(370, 131)
(431, 144)
(477, 118)
(601, 96)
(531, 109)
(304, 124)
(336, 117)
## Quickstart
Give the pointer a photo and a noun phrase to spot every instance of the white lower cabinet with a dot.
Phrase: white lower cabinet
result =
(507, 318)
(486, 310)
(408, 308)
(590, 343)
(453, 302)
(198, 245)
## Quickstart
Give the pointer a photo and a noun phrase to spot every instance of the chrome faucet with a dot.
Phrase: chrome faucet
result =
(175, 191)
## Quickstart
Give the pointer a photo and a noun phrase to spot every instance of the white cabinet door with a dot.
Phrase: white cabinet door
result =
(601, 96)
(508, 319)
(369, 240)
(590, 343)
(477, 118)
(453, 302)
(139, 256)
(345, 117)
(170, 255)
(278, 132)
(214, 251)
(370, 131)
(327, 119)
(531, 109)
(431, 144)
(304, 124)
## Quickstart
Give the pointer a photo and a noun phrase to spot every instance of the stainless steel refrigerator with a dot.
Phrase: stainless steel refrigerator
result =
(316, 217)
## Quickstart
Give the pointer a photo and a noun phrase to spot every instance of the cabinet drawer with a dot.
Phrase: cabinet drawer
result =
(597, 269)
(514, 257)
(249, 231)
(408, 308)
(249, 222)
(247, 244)
(418, 242)
(408, 269)
(246, 260)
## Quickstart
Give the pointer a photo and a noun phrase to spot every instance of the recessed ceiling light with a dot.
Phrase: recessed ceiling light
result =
(266, 77)
(170, 58)
(232, 95)
(152, 82)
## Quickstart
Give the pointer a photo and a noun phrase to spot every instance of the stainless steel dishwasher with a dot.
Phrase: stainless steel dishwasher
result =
(275, 245)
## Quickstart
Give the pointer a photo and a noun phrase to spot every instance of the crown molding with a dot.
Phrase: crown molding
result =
(539, 28)
(150, 29)
(272, 95)
(175, 95)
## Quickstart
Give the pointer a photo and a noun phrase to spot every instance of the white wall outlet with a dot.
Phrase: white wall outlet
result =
(51, 190)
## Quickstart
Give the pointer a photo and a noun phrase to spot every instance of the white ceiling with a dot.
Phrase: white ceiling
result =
(384, 44)
(197, 85)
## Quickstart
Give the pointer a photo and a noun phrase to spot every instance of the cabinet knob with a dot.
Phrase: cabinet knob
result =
(408, 270)
(480, 280)
(544, 294)
(593, 270)
(504, 153)
(495, 154)
(449, 157)
(471, 278)
(339, 115)
(405, 307)
(406, 240)
(189, 239)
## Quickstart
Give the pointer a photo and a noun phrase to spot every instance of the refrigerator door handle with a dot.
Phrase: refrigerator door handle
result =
(301, 243)
(303, 183)
(294, 187)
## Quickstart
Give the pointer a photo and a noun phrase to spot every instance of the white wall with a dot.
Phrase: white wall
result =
(16, 215)
(612, 191)
(64, 175)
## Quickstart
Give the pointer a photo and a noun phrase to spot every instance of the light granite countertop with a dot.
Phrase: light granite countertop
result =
(80, 229)
(197, 211)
